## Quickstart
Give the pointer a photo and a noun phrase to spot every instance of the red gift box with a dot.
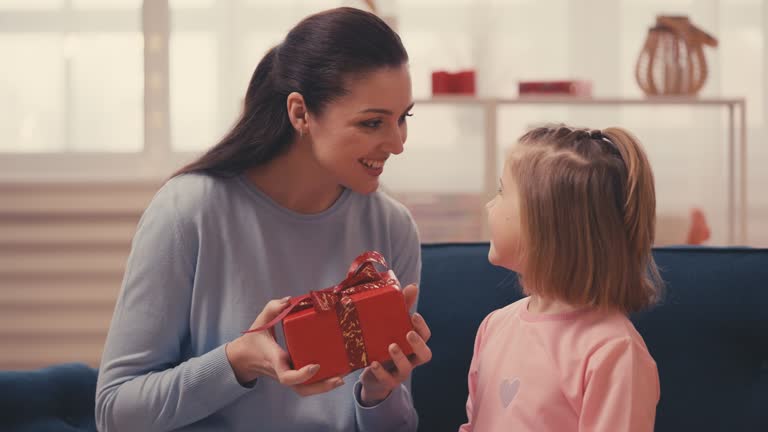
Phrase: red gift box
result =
(348, 326)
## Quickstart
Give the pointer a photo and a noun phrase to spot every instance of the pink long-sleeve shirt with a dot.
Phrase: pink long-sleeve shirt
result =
(579, 371)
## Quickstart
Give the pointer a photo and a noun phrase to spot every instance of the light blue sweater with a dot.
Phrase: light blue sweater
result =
(207, 256)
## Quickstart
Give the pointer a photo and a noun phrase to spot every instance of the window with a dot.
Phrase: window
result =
(72, 76)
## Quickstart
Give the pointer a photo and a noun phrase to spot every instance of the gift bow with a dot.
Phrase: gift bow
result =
(361, 276)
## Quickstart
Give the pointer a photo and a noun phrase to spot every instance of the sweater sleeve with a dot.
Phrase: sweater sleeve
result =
(396, 413)
(621, 389)
(145, 383)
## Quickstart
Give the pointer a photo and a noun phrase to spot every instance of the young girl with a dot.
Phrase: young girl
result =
(574, 217)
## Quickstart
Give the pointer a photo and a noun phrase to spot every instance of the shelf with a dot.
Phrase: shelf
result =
(736, 143)
(568, 100)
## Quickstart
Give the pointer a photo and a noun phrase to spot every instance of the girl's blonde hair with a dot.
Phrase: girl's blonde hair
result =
(588, 216)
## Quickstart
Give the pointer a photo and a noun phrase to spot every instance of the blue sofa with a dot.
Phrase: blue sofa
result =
(57, 398)
(709, 337)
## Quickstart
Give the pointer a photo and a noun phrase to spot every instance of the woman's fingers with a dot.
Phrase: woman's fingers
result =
(291, 377)
(270, 312)
(295, 379)
(421, 326)
(403, 365)
(421, 352)
(318, 387)
(382, 377)
(411, 293)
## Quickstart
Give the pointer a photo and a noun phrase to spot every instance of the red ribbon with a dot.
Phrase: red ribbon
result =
(362, 276)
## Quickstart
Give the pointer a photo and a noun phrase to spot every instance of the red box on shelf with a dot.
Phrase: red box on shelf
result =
(555, 88)
(441, 82)
(350, 325)
(462, 82)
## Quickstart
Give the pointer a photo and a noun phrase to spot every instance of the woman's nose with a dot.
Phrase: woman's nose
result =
(396, 142)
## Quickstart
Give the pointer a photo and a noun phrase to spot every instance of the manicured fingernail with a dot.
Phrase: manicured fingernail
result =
(375, 365)
(394, 348)
(415, 317)
(314, 368)
(337, 382)
(285, 299)
(413, 337)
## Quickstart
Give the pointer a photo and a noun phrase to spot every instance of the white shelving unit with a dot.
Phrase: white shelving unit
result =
(736, 142)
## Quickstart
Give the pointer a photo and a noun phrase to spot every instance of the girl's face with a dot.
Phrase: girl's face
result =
(356, 134)
(504, 224)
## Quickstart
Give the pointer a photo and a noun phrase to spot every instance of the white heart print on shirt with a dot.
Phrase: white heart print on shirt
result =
(508, 391)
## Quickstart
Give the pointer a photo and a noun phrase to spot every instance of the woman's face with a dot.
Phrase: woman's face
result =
(356, 134)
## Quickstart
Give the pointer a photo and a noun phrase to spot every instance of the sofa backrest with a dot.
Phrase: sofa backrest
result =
(709, 335)
(57, 398)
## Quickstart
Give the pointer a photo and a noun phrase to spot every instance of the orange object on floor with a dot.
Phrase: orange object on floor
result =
(698, 232)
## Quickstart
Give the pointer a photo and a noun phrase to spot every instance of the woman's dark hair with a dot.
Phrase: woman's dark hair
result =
(315, 59)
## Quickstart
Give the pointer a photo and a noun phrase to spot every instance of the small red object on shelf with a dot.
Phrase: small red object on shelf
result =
(448, 83)
(555, 88)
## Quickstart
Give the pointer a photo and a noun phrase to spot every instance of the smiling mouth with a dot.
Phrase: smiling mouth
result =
(372, 164)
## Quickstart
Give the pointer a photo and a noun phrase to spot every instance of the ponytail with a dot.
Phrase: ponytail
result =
(639, 203)
(262, 132)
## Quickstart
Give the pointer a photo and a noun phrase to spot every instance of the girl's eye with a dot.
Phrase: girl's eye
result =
(403, 118)
(372, 124)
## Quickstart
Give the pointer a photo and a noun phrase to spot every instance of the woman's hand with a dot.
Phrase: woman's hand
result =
(255, 355)
(378, 382)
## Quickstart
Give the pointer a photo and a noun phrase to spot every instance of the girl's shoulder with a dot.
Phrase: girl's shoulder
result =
(498, 318)
(607, 329)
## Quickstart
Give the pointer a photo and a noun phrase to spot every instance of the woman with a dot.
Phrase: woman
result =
(281, 206)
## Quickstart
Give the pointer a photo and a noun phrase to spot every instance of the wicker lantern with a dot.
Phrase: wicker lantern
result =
(672, 61)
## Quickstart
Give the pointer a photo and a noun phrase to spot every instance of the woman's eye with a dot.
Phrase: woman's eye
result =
(403, 118)
(372, 124)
